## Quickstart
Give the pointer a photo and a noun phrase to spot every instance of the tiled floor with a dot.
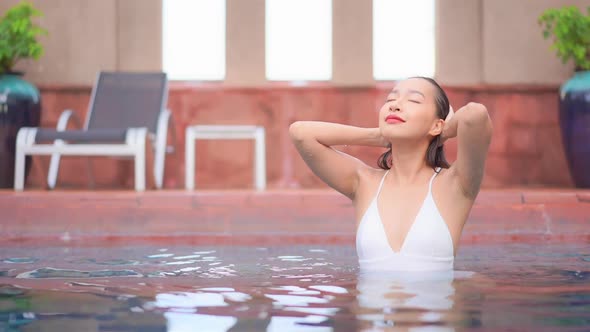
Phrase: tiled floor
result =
(285, 216)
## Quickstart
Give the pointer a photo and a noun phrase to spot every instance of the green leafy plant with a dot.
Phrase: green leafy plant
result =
(570, 30)
(18, 36)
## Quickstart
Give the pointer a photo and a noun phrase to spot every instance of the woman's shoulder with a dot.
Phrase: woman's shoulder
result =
(369, 178)
(368, 181)
(369, 173)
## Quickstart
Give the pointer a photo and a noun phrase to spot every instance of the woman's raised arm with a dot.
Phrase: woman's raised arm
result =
(473, 128)
(315, 140)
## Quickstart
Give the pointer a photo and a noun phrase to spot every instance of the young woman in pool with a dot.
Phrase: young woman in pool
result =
(411, 210)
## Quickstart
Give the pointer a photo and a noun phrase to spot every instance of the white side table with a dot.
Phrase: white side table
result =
(212, 132)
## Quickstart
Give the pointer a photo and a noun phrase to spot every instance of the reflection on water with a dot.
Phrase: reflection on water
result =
(391, 299)
(48, 272)
(301, 288)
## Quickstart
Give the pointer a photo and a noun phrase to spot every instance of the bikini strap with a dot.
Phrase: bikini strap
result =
(381, 184)
(436, 171)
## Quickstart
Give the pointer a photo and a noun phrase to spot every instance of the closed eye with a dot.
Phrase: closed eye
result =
(415, 101)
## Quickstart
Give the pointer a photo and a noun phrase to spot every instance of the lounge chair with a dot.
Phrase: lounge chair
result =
(126, 117)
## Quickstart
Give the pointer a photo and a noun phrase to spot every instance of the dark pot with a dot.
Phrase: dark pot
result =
(20, 106)
(574, 119)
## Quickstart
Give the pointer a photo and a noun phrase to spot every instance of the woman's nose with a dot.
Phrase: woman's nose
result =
(394, 106)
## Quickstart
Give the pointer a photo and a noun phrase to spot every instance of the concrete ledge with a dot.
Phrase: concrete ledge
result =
(289, 215)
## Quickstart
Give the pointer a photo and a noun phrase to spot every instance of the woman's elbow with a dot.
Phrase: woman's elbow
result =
(297, 130)
(477, 115)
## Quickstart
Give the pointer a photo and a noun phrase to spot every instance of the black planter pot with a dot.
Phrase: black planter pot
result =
(20, 106)
(574, 119)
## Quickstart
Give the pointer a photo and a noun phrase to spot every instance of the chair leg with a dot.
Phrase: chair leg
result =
(140, 172)
(53, 170)
(19, 170)
(24, 137)
(159, 160)
(160, 147)
(62, 124)
(189, 163)
(138, 138)
(260, 162)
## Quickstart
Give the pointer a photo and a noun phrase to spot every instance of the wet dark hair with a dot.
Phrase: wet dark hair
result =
(435, 155)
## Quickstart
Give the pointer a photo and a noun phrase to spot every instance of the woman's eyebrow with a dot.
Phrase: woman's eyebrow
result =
(418, 92)
(396, 92)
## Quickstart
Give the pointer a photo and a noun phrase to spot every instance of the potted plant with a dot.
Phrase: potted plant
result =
(20, 101)
(569, 29)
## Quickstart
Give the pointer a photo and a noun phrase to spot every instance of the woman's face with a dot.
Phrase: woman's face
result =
(409, 112)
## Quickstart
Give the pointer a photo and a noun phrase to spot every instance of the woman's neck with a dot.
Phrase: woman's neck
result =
(409, 163)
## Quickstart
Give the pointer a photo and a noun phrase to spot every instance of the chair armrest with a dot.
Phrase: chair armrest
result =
(64, 118)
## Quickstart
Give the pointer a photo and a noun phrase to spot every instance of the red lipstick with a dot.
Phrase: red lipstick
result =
(393, 119)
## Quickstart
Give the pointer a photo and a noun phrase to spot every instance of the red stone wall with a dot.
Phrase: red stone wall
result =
(526, 149)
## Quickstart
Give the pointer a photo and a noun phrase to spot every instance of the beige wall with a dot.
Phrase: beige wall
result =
(458, 42)
(352, 42)
(497, 42)
(245, 42)
(139, 37)
(478, 41)
(514, 50)
(86, 36)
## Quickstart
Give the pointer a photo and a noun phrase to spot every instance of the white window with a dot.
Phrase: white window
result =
(194, 39)
(298, 40)
(403, 38)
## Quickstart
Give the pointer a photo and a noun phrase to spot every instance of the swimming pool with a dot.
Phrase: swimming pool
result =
(181, 287)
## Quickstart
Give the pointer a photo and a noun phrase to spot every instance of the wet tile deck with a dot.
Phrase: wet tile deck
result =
(288, 216)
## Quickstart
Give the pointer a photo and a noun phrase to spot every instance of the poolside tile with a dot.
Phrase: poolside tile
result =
(569, 213)
(550, 197)
(498, 215)
(221, 198)
(168, 199)
(584, 196)
(495, 197)
(285, 198)
(326, 197)
(89, 199)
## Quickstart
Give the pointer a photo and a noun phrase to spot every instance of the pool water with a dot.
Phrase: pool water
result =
(289, 288)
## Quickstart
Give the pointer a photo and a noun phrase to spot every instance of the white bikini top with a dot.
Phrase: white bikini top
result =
(428, 246)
